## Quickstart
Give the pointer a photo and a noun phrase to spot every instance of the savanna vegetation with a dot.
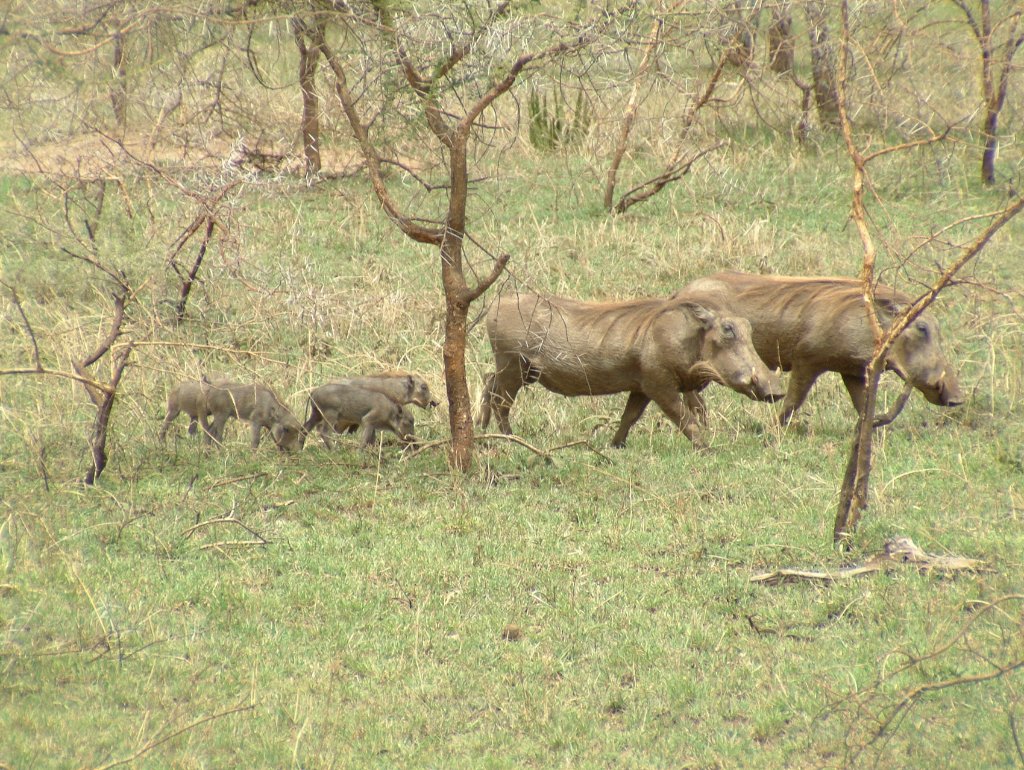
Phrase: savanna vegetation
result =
(290, 193)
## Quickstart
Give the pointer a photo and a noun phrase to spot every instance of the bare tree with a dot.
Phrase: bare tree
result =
(781, 47)
(309, 59)
(854, 492)
(823, 63)
(452, 123)
(998, 42)
(682, 158)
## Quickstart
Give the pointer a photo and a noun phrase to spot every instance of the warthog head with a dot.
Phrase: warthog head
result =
(405, 426)
(728, 357)
(917, 357)
(288, 434)
(421, 395)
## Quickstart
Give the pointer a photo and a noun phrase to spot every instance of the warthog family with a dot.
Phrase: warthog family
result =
(373, 402)
(813, 325)
(654, 349)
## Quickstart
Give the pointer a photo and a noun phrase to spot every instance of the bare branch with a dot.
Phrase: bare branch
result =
(28, 327)
(499, 266)
(432, 236)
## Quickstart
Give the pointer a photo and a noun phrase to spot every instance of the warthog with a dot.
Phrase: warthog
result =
(337, 405)
(652, 348)
(257, 404)
(400, 387)
(813, 325)
(186, 397)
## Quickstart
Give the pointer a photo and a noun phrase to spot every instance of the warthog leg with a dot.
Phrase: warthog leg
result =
(800, 382)
(681, 417)
(635, 406)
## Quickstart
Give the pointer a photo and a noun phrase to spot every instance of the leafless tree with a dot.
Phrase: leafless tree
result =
(855, 487)
(682, 159)
(781, 47)
(998, 41)
(452, 91)
(823, 63)
(309, 60)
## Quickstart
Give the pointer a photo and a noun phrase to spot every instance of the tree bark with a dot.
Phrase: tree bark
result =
(309, 58)
(823, 64)
(119, 89)
(781, 48)
(996, 65)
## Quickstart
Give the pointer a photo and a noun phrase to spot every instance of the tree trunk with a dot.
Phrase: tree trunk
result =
(460, 407)
(823, 64)
(988, 157)
(457, 300)
(781, 48)
(309, 57)
(740, 27)
(119, 89)
(853, 494)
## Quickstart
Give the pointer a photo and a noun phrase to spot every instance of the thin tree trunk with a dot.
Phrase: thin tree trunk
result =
(988, 156)
(781, 48)
(119, 89)
(309, 58)
(823, 64)
(188, 281)
(853, 494)
(629, 116)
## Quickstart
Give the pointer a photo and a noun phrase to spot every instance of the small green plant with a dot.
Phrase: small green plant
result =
(550, 128)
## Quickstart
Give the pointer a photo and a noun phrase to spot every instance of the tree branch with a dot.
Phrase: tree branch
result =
(432, 236)
(471, 295)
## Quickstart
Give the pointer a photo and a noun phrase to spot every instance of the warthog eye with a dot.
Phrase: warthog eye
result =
(728, 331)
(922, 327)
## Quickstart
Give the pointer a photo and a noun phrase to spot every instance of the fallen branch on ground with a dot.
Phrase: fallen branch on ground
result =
(897, 551)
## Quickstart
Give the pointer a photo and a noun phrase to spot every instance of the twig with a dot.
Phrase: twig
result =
(897, 407)
(28, 326)
(900, 550)
(224, 520)
(157, 742)
(584, 443)
(516, 440)
(236, 479)
(226, 543)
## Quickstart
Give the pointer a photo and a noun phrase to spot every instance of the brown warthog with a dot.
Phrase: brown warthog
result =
(402, 387)
(653, 348)
(186, 397)
(337, 405)
(257, 404)
(814, 325)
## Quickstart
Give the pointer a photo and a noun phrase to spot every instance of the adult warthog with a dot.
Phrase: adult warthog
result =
(654, 349)
(813, 325)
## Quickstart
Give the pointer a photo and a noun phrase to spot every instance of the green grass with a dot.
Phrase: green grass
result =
(367, 623)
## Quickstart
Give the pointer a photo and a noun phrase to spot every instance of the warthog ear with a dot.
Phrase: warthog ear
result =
(705, 317)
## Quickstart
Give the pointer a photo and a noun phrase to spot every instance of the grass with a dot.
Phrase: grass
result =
(345, 609)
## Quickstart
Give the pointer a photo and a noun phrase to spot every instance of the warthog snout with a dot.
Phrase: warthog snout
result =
(945, 392)
(759, 386)
(769, 388)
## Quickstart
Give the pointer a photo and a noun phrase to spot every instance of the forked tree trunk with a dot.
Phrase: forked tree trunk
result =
(740, 28)
(823, 64)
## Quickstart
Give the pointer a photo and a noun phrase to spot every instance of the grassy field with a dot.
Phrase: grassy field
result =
(593, 608)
